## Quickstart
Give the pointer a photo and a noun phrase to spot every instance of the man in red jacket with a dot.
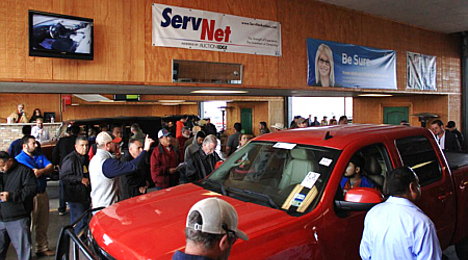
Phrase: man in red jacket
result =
(164, 161)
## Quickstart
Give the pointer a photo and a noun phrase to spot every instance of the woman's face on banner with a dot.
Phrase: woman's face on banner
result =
(324, 65)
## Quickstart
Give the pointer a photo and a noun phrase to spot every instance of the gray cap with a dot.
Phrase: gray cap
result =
(215, 213)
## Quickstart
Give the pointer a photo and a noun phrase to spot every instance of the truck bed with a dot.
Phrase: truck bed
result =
(456, 160)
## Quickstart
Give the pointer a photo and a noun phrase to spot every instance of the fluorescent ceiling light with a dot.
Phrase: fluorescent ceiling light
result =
(219, 92)
(92, 97)
(375, 95)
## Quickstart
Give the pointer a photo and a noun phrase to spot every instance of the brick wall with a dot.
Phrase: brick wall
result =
(11, 132)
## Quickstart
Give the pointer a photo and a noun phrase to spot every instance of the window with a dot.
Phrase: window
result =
(286, 176)
(373, 170)
(418, 153)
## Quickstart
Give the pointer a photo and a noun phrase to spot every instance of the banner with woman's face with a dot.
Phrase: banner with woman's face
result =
(334, 64)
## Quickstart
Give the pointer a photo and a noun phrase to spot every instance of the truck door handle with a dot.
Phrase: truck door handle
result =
(445, 196)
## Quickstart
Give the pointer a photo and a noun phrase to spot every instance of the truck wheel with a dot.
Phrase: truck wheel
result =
(461, 248)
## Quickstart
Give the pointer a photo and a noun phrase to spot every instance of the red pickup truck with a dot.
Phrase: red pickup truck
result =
(286, 189)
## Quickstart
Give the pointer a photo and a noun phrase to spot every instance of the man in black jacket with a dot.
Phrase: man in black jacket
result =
(451, 126)
(137, 182)
(65, 145)
(75, 178)
(18, 187)
(202, 162)
(446, 139)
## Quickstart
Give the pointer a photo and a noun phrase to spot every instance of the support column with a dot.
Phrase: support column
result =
(464, 80)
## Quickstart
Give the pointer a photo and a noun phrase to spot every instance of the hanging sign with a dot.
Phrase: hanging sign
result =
(422, 70)
(201, 30)
(333, 64)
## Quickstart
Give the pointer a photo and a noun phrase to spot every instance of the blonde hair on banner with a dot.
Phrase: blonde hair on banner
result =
(323, 48)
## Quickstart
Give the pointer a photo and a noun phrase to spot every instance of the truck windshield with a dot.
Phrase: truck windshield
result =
(285, 176)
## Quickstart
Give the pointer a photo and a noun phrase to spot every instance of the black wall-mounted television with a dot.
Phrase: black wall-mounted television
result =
(60, 36)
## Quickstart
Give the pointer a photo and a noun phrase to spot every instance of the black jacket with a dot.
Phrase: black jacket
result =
(21, 183)
(74, 169)
(210, 129)
(64, 146)
(199, 165)
(451, 142)
(461, 138)
(130, 183)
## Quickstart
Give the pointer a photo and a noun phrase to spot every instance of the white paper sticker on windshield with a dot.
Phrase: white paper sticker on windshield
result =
(284, 146)
(310, 179)
(325, 161)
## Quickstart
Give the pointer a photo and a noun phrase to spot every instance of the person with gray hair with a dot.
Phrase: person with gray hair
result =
(211, 230)
(203, 161)
(137, 133)
(197, 141)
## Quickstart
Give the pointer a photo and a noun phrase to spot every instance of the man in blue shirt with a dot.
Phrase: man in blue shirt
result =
(17, 146)
(352, 177)
(397, 228)
(41, 167)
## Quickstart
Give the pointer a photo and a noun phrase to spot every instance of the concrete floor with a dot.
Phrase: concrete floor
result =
(57, 222)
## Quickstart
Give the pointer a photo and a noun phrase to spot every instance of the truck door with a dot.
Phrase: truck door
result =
(437, 191)
(342, 230)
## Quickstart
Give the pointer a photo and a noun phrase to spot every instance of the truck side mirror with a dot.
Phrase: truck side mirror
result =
(359, 199)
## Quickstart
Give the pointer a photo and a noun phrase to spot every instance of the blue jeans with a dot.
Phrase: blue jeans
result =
(18, 233)
(76, 210)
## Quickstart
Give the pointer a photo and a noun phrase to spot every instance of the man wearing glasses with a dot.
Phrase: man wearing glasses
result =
(211, 230)
(202, 162)
(105, 166)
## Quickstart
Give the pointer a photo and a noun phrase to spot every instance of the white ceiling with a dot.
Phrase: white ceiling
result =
(447, 16)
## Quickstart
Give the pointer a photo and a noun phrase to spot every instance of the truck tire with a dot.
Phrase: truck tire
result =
(461, 248)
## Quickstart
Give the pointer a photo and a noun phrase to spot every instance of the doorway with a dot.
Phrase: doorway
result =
(394, 115)
(246, 120)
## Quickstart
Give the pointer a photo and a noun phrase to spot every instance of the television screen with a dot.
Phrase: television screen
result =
(61, 36)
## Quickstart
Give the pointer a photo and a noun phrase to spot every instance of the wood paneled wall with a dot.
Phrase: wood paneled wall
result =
(45, 102)
(259, 113)
(370, 110)
(51, 103)
(93, 111)
(276, 113)
(124, 53)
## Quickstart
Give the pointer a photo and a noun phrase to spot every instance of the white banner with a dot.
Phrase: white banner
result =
(195, 29)
(422, 70)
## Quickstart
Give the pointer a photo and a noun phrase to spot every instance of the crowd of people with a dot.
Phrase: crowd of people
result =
(94, 172)
(301, 122)
(97, 170)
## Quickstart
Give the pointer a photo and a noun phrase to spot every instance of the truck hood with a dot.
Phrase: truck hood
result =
(152, 226)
